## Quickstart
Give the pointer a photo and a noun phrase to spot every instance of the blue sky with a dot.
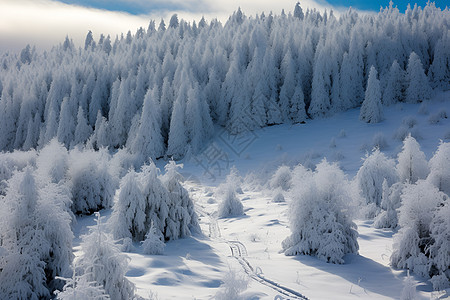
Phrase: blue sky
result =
(375, 5)
(45, 23)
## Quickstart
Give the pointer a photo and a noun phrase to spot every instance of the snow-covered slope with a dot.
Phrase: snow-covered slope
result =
(195, 267)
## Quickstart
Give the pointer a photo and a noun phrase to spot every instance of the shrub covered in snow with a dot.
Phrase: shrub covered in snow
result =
(93, 185)
(233, 285)
(319, 219)
(230, 205)
(78, 287)
(102, 262)
(281, 178)
(154, 242)
(375, 169)
(53, 162)
(278, 196)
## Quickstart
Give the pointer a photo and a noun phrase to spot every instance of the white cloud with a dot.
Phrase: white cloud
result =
(45, 23)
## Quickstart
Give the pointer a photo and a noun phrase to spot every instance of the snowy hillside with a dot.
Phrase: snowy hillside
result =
(294, 156)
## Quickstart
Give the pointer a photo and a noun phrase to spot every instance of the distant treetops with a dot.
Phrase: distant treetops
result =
(160, 91)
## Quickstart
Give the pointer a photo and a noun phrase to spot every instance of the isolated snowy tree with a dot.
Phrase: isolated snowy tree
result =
(440, 168)
(418, 89)
(420, 201)
(319, 219)
(154, 242)
(103, 263)
(372, 109)
(412, 164)
(128, 217)
(375, 169)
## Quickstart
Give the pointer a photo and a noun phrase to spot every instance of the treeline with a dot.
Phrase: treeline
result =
(160, 91)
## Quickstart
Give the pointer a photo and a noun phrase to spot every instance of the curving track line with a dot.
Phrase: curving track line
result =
(239, 251)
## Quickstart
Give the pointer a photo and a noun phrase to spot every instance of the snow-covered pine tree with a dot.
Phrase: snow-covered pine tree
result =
(439, 72)
(102, 262)
(440, 168)
(372, 109)
(418, 88)
(37, 248)
(154, 242)
(394, 91)
(390, 203)
(157, 198)
(412, 164)
(420, 202)
(22, 270)
(319, 221)
(128, 216)
(83, 131)
(178, 138)
(439, 254)
(182, 219)
(149, 142)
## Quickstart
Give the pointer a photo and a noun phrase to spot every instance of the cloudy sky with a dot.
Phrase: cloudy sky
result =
(46, 22)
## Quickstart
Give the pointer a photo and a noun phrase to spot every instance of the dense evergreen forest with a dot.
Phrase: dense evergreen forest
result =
(160, 91)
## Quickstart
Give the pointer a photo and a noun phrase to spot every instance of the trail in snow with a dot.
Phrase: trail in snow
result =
(239, 252)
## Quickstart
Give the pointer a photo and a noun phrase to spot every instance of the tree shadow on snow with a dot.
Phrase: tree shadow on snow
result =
(361, 271)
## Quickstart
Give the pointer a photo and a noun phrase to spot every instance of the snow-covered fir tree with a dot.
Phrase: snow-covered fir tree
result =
(265, 68)
(154, 242)
(128, 217)
(420, 204)
(102, 262)
(440, 168)
(371, 108)
(418, 89)
(412, 164)
(370, 177)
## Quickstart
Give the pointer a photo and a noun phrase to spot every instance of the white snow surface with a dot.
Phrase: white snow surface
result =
(194, 267)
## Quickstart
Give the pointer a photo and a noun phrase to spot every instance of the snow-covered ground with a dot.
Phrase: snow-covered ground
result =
(194, 268)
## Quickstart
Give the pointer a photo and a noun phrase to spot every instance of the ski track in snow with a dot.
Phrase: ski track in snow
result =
(239, 252)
